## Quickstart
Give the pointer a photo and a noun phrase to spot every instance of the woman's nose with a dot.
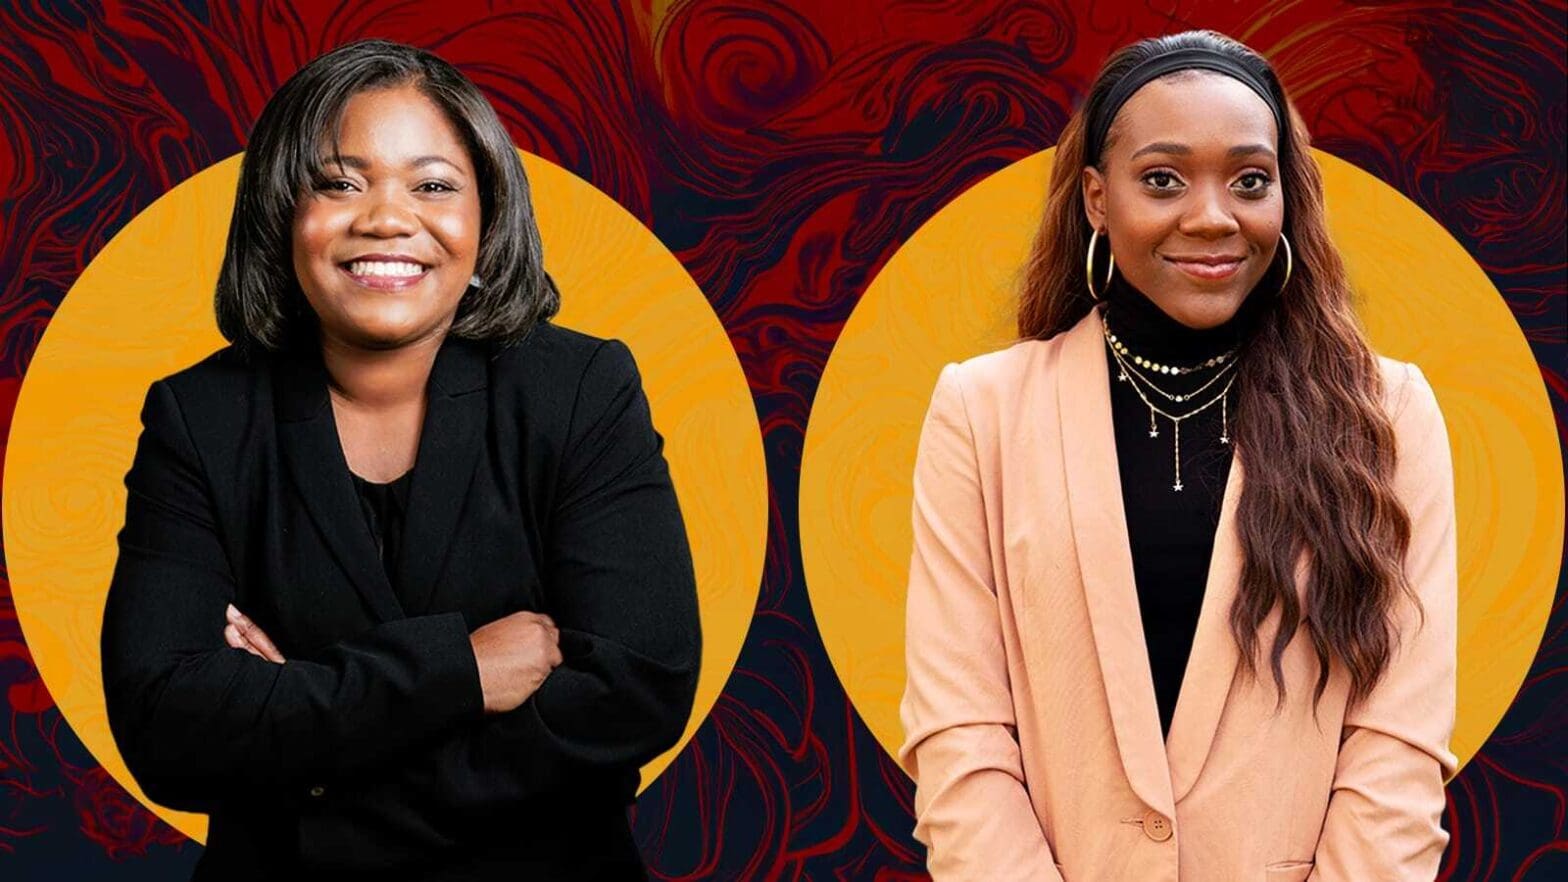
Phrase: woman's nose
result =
(385, 215)
(1208, 214)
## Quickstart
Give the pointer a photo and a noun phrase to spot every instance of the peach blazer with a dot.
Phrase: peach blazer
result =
(1030, 722)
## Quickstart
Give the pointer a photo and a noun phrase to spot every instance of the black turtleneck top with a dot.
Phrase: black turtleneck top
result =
(1171, 532)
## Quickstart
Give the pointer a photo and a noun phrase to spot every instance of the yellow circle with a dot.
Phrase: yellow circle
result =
(949, 294)
(143, 309)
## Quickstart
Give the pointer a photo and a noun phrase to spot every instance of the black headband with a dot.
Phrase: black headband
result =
(1160, 65)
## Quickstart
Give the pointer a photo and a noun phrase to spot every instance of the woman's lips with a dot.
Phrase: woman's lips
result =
(1207, 271)
(383, 276)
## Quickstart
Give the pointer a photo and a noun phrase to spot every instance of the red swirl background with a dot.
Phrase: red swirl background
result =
(783, 151)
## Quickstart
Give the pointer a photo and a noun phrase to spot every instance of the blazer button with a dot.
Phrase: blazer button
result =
(1156, 826)
(318, 791)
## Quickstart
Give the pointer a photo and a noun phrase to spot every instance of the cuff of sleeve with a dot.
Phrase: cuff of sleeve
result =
(459, 668)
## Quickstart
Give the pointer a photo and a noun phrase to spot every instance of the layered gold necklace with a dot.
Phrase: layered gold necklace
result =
(1175, 406)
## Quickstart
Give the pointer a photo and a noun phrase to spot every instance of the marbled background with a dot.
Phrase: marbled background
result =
(783, 151)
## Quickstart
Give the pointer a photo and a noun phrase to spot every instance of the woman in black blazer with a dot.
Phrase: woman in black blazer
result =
(403, 587)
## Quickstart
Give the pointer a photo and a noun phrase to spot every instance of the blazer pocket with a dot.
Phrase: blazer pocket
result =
(1288, 871)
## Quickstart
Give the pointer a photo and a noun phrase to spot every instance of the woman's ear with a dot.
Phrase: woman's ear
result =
(1094, 197)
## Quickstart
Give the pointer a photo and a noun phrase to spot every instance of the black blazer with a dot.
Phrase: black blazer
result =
(539, 484)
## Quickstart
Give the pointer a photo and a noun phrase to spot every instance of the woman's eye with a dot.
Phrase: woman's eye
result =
(1261, 184)
(436, 187)
(1160, 180)
(338, 185)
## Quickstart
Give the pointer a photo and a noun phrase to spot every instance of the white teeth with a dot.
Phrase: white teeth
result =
(384, 268)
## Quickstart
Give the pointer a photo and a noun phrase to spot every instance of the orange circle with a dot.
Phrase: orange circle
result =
(136, 315)
(950, 293)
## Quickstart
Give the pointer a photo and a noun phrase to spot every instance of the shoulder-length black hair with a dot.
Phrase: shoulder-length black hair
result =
(259, 303)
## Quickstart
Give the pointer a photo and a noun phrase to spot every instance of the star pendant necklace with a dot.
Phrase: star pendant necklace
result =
(1187, 404)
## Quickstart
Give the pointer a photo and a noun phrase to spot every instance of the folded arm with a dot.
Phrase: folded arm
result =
(619, 584)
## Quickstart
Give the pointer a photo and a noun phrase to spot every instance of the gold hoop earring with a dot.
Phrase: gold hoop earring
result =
(1088, 270)
(1286, 242)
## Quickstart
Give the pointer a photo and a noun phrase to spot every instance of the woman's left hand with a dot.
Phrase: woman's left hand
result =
(242, 633)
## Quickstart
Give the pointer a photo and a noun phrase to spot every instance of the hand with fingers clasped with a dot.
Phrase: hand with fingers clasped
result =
(514, 653)
(242, 633)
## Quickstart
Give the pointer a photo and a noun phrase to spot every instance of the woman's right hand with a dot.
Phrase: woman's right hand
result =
(515, 653)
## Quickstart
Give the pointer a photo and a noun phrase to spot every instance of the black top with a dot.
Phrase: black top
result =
(1171, 532)
(539, 484)
(384, 505)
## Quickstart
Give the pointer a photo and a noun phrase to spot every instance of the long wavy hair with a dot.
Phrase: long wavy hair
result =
(1318, 446)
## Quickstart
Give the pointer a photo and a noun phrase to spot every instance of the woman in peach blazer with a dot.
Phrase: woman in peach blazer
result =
(1310, 738)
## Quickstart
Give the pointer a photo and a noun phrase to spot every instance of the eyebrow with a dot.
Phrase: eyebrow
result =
(361, 164)
(1183, 150)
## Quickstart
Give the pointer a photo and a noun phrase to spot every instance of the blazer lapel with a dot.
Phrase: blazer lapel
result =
(449, 445)
(1211, 668)
(313, 454)
(1105, 557)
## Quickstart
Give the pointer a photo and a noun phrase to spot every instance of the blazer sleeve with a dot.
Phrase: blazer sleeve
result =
(1384, 813)
(619, 584)
(972, 810)
(197, 721)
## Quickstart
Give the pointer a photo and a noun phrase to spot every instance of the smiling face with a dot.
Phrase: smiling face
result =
(384, 243)
(1188, 192)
